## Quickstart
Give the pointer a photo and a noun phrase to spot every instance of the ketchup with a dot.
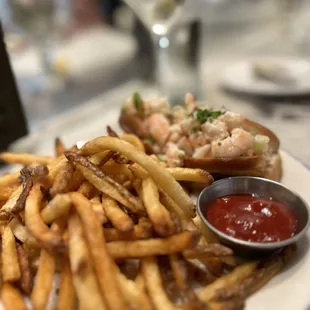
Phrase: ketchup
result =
(252, 218)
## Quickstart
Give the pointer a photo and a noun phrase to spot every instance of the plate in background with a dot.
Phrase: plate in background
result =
(239, 78)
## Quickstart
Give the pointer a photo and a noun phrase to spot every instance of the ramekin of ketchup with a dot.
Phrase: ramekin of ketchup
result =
(252, 218)
(253, 214)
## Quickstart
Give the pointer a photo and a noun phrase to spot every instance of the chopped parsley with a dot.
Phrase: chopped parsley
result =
(137, 101)
(206, 115)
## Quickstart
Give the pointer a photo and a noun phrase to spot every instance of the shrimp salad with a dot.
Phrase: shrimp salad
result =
(193, 130)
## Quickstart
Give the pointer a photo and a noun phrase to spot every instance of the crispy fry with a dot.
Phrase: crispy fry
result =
(158, 214)
(180, 274)
(57, 207)
(134, 140)
(101, 214)
(34, 222)
(66, 298)
(6, 192)
(45, 275)
(141, 248)
(210, 250)
(143, 230)
(84, 279)
(104, 183)
(11, 298)
(208, 235)
(119, 172)
(103, 263)
(234, 278)
(87, 189)
(10, 266)
(191, 175)
(26, 280)
(134, 296)
(138, 171)
(162, 177)
(118, 217)
(9, 179)
(24, 158)
(21, 233)
(154, 284)
(111, 132)
(10, 204)
(62, 180)
(101, 158)
(60, 147)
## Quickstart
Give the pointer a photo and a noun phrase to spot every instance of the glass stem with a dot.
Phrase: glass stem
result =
(161, 44)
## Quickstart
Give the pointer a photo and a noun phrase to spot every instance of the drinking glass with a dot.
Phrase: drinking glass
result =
(159, 16)
(37, 19)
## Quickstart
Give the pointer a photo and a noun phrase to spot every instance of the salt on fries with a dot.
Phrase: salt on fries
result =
(86, 214)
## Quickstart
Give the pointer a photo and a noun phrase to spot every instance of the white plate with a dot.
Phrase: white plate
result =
(288, 291)
(239, 78)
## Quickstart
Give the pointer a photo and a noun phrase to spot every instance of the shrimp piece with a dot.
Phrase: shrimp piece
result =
(178, 113)
(158, 127)
(174, 155)
(191, 103)
(185, 145)
(156, 105)
(215, 131)
(197, 139)
(202, 152)
(240, 143)
(232, 120)
(175, 133)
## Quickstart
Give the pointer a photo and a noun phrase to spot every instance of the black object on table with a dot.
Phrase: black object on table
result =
(12, 119)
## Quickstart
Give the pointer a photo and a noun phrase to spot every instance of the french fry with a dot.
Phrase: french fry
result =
(26, 280)
(179, 270)
(62, 180)
(135, 297)
(101, 214)
(60, 147)
(118, 217)
(234, 278)
(191, 175)
(104, 183)
(154, 284)
(103, 264)
(157, 246)
(101, 158)
(6, 192)
(159, 174)
(24, 158)
(10, 265)
(12, 298)
(10, 204)
(83, 276)
(66, 298)
(119, 172)
(158, 214)
(134, 140)
(57, 207)
(207, 234)
(210, 250)
(34, 222)
(143, 230)
(22, 234)
(87, 189)
(45, 275)
(138, 171)
(9, 179)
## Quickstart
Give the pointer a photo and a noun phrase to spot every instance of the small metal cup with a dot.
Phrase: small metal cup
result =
(264, 188)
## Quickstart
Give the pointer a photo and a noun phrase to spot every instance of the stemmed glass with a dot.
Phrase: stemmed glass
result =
(37, 19)
(159, 16)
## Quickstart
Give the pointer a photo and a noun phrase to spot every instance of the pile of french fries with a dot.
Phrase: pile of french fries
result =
(121, 232)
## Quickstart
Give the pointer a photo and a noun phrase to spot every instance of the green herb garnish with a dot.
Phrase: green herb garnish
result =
(151, 140)
(207, 115)
(137, 101)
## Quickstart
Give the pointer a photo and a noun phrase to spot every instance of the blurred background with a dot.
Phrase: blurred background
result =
(251, 56)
